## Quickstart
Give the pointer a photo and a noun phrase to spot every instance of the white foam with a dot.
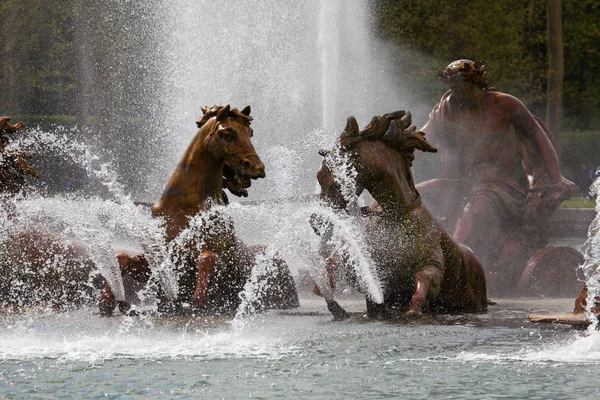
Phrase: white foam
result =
(101, 343)
(578, 349)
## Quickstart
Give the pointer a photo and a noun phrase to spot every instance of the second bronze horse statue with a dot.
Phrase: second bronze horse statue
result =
(420, 267)
(213, 269)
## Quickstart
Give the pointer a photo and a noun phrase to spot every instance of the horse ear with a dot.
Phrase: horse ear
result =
(3, 121)
(204, 109)
(416, 140)
(223, 113)
(246, 111)
(351, 128)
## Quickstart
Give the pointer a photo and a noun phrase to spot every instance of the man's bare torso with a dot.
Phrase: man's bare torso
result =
(484, 139)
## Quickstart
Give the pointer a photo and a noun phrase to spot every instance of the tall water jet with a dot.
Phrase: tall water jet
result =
(329, 40)
(302, 68)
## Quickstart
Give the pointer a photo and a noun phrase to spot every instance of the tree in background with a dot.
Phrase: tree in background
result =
(556, 68)
(512, 38)
(581, 34)
(37, 57)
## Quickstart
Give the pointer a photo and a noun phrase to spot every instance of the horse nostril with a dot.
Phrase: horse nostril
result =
(254, 169)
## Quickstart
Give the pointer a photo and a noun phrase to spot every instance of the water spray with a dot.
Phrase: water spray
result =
(591, 264)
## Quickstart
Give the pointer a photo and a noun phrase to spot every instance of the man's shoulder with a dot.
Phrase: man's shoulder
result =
(446, 96)
(501, 96)
(504, 98)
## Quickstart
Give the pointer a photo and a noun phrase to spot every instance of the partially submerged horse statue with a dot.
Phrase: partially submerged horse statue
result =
(220, 155)
(38, 268)
(41, 269)
(420, 267)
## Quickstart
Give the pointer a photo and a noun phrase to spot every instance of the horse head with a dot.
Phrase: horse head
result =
(228, 138)
(372, 153)
(7, 129)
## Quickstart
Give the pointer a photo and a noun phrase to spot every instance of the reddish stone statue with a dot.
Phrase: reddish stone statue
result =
(501, 178)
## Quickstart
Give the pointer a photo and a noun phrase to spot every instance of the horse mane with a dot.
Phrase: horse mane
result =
(394, 129)
(223, 112)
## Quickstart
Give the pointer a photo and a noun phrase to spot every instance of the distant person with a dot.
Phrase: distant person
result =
(483, 135)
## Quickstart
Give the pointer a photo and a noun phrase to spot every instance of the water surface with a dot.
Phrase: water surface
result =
(298, 354)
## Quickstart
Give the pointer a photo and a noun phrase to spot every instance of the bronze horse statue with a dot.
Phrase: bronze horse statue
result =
(420, 266)
(41, 269)
(220, 155)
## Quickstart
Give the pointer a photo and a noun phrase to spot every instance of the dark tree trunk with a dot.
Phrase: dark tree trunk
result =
(556, 68)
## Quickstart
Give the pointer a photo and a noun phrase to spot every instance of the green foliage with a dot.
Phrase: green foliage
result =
(582, 64)
(578, 202)
(581, 146)
(578, 148)
(511, 37)
(507, 35)
(37, 57)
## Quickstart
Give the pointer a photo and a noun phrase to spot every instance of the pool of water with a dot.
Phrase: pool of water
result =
(299, 354)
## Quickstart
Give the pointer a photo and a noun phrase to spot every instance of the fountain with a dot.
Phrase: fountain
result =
(591, 265)
(303, 66)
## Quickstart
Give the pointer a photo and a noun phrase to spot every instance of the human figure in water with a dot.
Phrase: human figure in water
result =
(501, 178)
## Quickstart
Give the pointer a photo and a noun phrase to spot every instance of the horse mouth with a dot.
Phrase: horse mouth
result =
(236, 182)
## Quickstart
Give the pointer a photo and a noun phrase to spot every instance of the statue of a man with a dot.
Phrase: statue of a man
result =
(501, 177)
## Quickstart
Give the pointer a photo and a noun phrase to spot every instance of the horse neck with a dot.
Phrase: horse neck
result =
(195, 184)
(390, 181)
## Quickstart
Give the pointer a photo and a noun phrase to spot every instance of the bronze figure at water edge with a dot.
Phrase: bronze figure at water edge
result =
(212, 268)
(421, 268)
(42, 268)
(500, 182)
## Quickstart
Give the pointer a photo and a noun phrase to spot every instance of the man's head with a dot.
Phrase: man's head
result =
(460, 72)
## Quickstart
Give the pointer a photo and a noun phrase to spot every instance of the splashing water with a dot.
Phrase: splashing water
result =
(101, 227)
(191, 241)
(255, 289)
(591, 264)
(347, 231)
(59, 143)
(348, 235)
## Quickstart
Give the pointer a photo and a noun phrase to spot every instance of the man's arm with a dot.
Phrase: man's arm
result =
(439, 132)
(525, 124)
